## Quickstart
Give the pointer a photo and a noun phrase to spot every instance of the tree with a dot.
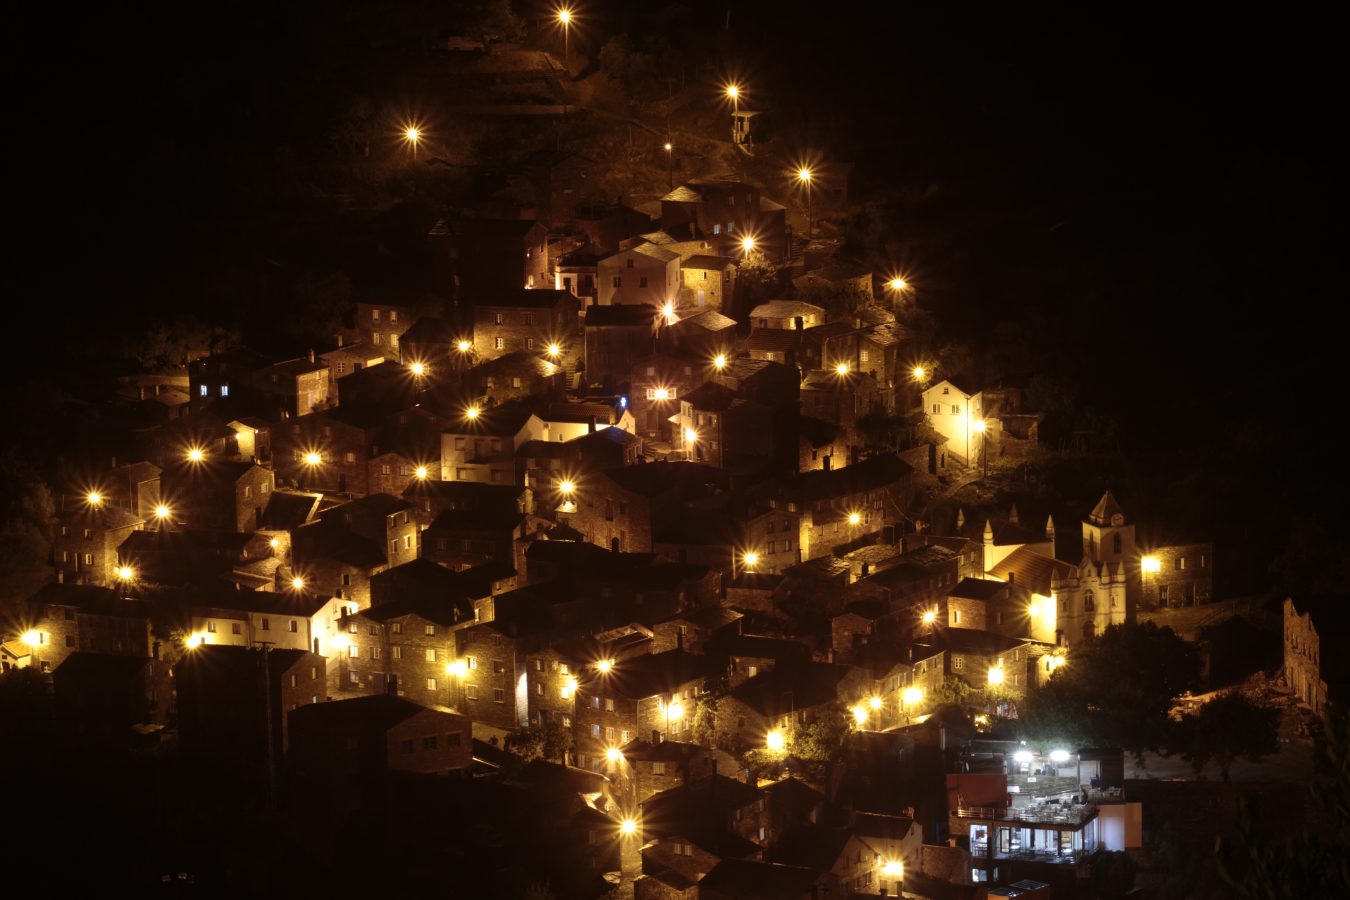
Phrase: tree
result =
(1228, 726)
(548, 742)
(1312, 862)
(167, 346)
(26, 511)
(821, 737)
(495, 20)
(953, 691)
(1117, 690)
(705, 721)
(1112, 874)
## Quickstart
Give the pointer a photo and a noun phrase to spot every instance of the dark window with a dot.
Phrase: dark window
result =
(454, 740)
(429, 743)
(406, 746)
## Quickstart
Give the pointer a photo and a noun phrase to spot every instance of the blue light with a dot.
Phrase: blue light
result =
(623, 402)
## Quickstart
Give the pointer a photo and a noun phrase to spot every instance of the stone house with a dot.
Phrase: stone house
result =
(222, 376)
(528, 321)
(488, 254)
(650, 696)
(707, 283)
(704, 335)
(643, 274)
(514, 376)
(294, 387)
(61, 619)
(483, 447)
(337, 746)
(381, 324)
(617, 336)
(85, 541)
(347, 359)
(656, 384)
(795, 315)
(217, 495)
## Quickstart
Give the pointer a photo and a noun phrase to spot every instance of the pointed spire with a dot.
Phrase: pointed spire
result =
(1050, 527)
(960, 519)
(988, 532)
(1107, 509)
(1012, 515)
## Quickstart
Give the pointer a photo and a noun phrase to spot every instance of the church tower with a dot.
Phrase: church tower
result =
(1105, 588)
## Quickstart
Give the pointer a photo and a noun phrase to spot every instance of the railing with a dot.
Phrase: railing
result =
(1050, 814)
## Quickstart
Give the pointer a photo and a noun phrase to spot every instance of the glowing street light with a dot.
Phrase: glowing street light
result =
(418, 368)
(196, 454)
(995, 675)
(775, 741)
(604, 666)
(471, 413)
(690, 436)
(733, 92)
(912, 695)
(32, 637)
(860, 715)
(668, 312)
(313, 459)
(1059, 756)
(930, 617)
(804, 177)
(874, 702)
(274, 543)
(1150, 565)
(750, 559)
(855, 518)
(628, 827)
(94, 498)
(675, 710)
(298, 583)
(463, 346)
(670, 163)
(893, 868)
(569, 687)
(841, 369)
(1023, 757)
(458, 669)
(919, 373)
(194, 640)
(720, 361)
(553, 350)
(340, 642)
(747, 244)
(567, 487)
(125, 573)
(614, 755)
(162, 512)
(412, 136)
(422, 473)
(897, 284)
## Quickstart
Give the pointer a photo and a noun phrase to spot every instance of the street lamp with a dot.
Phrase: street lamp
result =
(855, 518)
(125, 574)
(720, 361)
(162, 513)
(195, 454)
(463, 346)
(422, 473)
(668, 312)
(930, 617)
(860, 715)
(674, 712)
(553, 350)
(749, 560)
(94, 498)
(980, 428)
(670, 163)
(412, 136)
(628, 827)
(841, 368)
(564, 15)
(418, 368)
(604, 666)
(613, 756)
(804, 177)
(471, 413)
(775, 741)
(747, 244)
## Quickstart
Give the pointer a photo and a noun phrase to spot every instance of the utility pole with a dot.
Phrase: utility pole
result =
(267, 705)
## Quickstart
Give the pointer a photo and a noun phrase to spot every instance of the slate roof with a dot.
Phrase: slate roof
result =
(808, 685)
(977, 589)
(621, 315)
(807, 844)
(787, 309)
(1034, 571)
(654, 673)
(381, 711)
(1107, 508)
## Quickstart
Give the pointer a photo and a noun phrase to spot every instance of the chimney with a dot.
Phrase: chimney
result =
(311, 354)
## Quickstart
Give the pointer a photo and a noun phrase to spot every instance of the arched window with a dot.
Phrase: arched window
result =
(1089, 602)
(1115, 542)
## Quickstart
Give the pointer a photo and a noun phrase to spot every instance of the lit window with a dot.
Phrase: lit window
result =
(224, 390)
(431, 684)
(202, 390)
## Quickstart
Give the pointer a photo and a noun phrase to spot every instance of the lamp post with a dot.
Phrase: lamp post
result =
(804, 177)
(413, 135)
(734, 95)
(565, 20)
(670, 163)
